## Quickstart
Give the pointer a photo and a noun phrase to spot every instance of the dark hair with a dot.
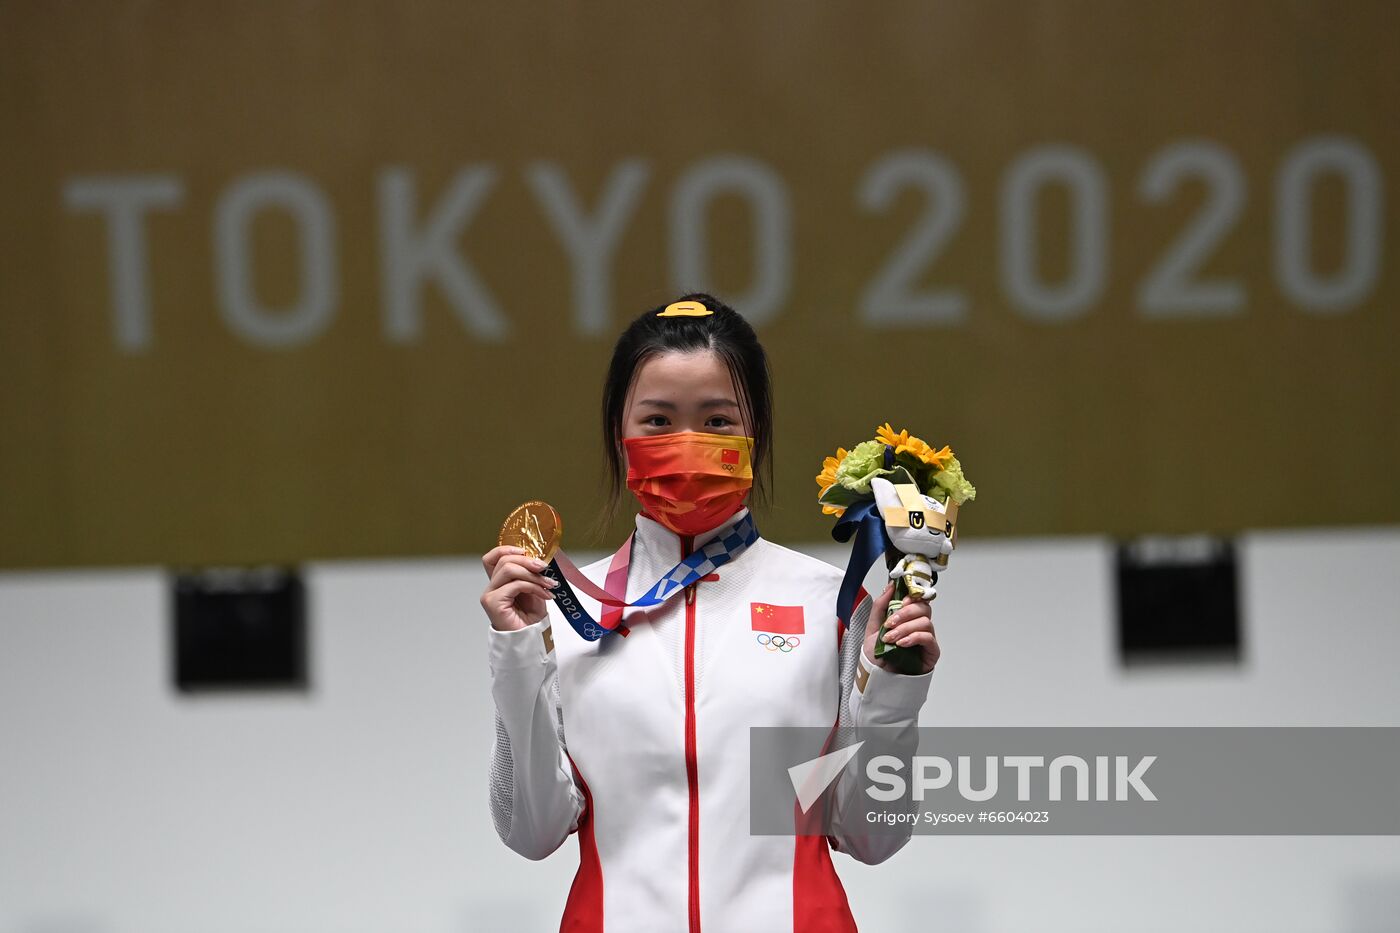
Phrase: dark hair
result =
(733, 339)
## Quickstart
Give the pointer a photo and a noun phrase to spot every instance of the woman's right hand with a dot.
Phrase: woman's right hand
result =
(517, 594)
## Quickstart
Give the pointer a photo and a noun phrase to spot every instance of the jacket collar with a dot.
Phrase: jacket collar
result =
(656, 544)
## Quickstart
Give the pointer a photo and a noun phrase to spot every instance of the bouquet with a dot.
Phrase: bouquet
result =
(900, 498)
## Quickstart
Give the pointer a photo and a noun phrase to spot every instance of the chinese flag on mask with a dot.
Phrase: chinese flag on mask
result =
(780, 620)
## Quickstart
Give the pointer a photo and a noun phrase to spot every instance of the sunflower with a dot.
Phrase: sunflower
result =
(886, 434)
(904, 441)
(938, 459)
(827, 478)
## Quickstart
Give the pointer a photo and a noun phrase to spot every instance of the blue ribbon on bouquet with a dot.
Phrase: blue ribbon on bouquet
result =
(872, 542)
(699, 563)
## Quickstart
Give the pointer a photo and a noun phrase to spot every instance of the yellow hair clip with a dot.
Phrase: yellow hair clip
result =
(684, 309)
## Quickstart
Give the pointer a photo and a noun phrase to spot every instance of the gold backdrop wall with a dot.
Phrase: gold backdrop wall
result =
(285, 281)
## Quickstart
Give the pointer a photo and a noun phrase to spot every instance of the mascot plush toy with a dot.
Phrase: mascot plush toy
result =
(922, 529)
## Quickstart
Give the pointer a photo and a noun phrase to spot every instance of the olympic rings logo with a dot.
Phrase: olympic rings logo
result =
(783, 643)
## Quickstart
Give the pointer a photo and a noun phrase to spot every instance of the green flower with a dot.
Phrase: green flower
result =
(861, 465)
(951, 484)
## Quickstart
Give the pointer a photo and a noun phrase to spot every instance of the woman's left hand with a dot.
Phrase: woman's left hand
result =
(910, 627)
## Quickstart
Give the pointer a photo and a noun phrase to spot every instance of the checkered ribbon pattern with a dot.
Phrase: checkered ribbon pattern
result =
(713, 555)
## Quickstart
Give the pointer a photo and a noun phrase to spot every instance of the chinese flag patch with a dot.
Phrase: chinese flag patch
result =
(782, 620)
(729, 456)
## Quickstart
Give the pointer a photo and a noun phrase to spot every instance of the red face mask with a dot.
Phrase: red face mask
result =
(689, 481)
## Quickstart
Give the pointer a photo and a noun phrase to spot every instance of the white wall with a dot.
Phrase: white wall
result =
(362, 807)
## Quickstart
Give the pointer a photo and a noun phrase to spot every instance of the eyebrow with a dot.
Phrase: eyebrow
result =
(707, 403)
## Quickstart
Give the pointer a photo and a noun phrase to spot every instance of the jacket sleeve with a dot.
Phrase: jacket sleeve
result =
(872, 698)
(535, 803)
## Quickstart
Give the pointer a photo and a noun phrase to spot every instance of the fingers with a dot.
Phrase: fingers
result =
(911, 619)
(911, 609)
(518, 567)
(918, 632)
(921, 639)
(507, 593)
(493, 556)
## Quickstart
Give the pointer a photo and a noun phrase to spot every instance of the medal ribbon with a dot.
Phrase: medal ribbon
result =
(706, 560)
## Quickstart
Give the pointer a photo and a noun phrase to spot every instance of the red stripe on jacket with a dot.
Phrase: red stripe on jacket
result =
(819, 902)
(583, 912)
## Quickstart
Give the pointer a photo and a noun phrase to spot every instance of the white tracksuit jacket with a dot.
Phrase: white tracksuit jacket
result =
(654, 774)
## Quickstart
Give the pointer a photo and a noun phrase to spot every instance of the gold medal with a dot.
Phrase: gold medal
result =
(534, 526)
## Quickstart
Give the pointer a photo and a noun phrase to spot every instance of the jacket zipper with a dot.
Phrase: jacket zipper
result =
(691, 770)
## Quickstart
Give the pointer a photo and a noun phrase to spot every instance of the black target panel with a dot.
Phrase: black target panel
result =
(239, 628)
(1178, 599)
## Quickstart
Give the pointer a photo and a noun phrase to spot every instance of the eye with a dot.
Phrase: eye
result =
(726, 422)
(650, 421)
